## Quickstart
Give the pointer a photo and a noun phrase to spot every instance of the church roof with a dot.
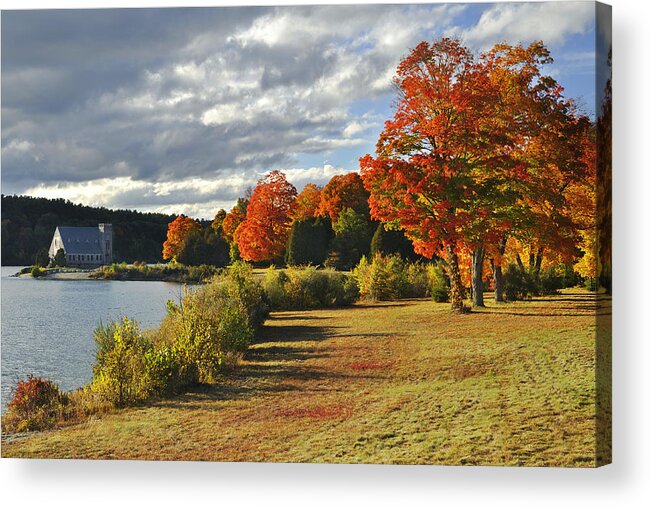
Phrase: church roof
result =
(81, 240)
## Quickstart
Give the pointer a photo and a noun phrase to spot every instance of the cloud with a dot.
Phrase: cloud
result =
(551, 22)
(166, 94)
(146, 107)
(197, 197)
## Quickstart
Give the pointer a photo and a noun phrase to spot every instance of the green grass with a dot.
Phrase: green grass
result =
(395, 382)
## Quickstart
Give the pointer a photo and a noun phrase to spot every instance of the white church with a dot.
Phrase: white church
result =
(84, 246)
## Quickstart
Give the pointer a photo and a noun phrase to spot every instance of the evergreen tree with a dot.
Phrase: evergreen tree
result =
(308, 241)
(390, 242)
(352, 240)
(60, 259)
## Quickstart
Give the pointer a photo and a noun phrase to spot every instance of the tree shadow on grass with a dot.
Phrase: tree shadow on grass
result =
(255, 379)
(275, 366)
(285, 353)
(297, 333)
(300, 316)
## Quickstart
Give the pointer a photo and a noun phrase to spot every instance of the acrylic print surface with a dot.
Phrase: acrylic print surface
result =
(341, 234)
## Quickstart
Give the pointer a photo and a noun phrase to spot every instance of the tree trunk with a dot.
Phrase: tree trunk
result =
(456, 286)
(498, 277)
(477, 276)
(498, 280)
(520, 265)
(539, 258)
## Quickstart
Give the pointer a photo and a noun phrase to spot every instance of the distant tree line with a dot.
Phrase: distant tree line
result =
(28, 224)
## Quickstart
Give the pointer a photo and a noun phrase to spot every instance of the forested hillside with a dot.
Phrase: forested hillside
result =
(29, 222)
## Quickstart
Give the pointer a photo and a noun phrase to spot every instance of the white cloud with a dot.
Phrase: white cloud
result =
(550, 22)
(197, 197)
(182, 117)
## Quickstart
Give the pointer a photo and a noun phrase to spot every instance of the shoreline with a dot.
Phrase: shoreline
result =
(62, 275)
(131, 274)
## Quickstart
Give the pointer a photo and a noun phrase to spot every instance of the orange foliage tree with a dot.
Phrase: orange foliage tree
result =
(460, 166)
(307, 202)
(263, 234)
(343, 191)
(177, 232)
(434, 160)
(231, 222)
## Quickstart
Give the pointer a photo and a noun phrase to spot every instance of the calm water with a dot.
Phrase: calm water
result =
(47, 325)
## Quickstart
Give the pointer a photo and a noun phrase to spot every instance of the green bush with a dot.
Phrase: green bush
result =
(60, 259)
(163, 370)
(590, 284)
(213, 325)
(234, 329)
(519, 284)
(36, 404)
(385, 278)
(242, 287)
(37, 271)
(439, 283)
(308, 288)
(119, 374)
(418, 280)
(171, 271)
(42, 258)
(389, 277)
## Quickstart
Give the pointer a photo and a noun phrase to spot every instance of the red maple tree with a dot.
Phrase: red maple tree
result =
(455, 163)
(343, 191)
(263, 234)
(307, 202)
(177, 232)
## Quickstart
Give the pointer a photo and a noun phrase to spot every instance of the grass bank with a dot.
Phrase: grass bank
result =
(394, 382)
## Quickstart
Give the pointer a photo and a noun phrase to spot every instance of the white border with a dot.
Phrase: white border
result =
(626, 482)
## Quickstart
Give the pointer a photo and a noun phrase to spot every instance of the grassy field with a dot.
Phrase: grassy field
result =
(396, 382)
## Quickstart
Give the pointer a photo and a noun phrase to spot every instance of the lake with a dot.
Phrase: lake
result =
(47, 325)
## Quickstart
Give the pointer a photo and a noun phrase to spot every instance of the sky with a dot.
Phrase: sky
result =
(181, 110)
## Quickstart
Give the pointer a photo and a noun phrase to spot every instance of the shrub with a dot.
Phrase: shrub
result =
(84, 402)
(212, 326)
(163, 370)
(519, 284)
(171, 271)
(384, 278)
(42, 258)
(234, 329)
(439, 283)
(249, 292)
(418, 280)
(550, 280)
(60, 259)
(37, 271)
(274, 286)
(390, 277)
(36, 404)
(590, 284)
(198, 274)
(119, 374)
(306, 288)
